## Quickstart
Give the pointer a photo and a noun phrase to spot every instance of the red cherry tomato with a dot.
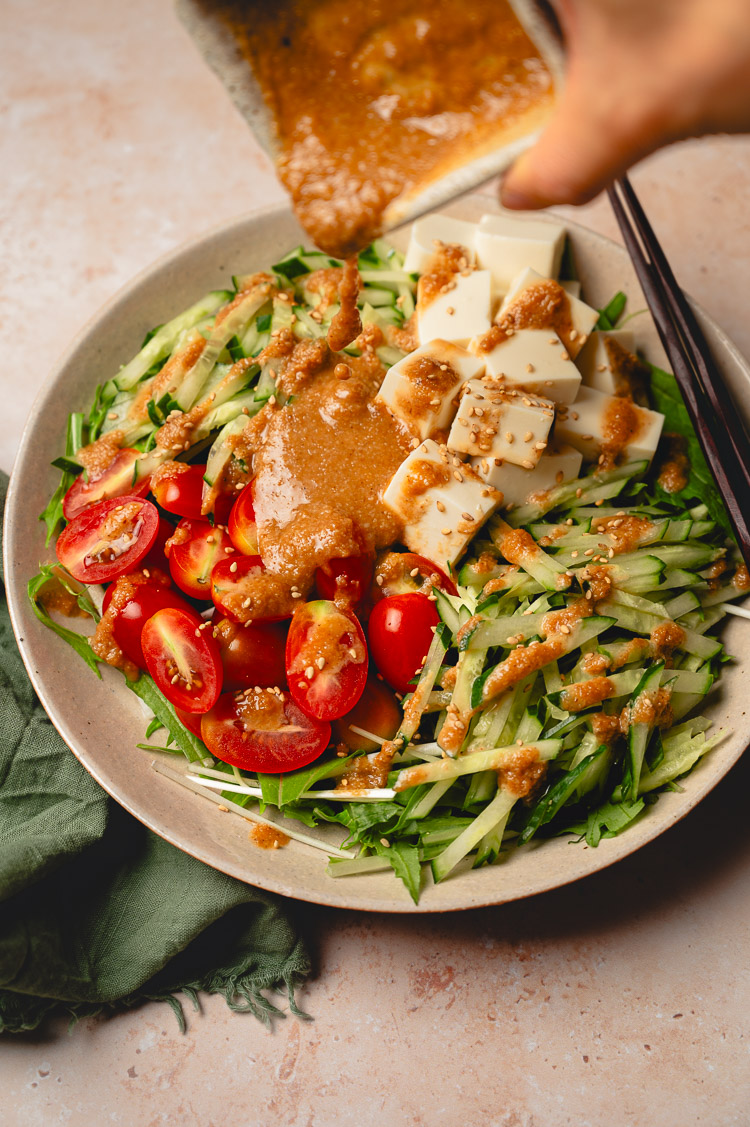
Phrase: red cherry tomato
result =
(194, 550)
(108, 539)
(181, 491)
(115, 481)
(252, 654)
(135, 605)
(228, 582)
(404, 573)
(263, 732)
(376, 711)
(191, 720)
(326, 660)
(348, 577)
(242, 528)
(156, 557)
(400, 633)
(183, 659)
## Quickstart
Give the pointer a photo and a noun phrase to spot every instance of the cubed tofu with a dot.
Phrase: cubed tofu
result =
(535, 359)
(609, 427)
(432, 229)
(494, 422)
(441, 501)
(507, 245)
(571, 286)
(571, 319)
(556, 465)
(459, 314)
(421, 389)
(607, 362)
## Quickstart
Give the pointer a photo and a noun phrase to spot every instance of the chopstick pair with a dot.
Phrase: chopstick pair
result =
(717, 422)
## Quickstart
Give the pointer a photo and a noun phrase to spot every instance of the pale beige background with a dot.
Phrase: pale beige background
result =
(621, 1001)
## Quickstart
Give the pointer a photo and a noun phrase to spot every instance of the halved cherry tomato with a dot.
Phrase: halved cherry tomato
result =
(228, 581)
(400, 632)
(191, 720)
(376, 711)
(183, 658)
(348, 577)
(115, 481)
(108, 539)
(405, 573)
(252, 654)
(194, 550)
(326, 660)
(156, 557)
(263, 731)
(135, 605)
(180, 489)
(242, 528)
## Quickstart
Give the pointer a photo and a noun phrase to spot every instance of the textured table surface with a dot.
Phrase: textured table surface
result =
(621, 1000)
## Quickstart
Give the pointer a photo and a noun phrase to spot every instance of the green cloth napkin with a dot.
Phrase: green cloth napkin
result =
(97, 912)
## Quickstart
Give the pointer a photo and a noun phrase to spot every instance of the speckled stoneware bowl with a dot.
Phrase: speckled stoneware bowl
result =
(102, 722)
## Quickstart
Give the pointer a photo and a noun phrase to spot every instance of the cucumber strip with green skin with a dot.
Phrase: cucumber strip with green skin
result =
(545, 569)
(639, 733)
(592, 488)
(583, 631)
(498, 809)
(494, 759)
(686, 555)
(219, 457)
(432, 795)
(678, 760)
(468, 670)
(164, 339)
(703, 619)
(446, 608)
(481, 788)
(492, 721)
(639, 622)
(234, 324)
(530, 727)
(490, 847)
(726, 594)
(625, 683)
(506, 631)
(377, 296)
(341, 867)
(558, 794)
(596, 776)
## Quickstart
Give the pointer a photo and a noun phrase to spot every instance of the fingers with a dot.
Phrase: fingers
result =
(576, 157)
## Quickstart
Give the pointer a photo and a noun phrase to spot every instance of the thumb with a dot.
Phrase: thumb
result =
(577, 156)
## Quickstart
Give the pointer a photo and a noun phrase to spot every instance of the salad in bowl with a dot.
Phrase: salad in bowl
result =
(413, 546)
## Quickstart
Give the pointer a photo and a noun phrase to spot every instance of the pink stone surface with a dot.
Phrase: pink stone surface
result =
(621, 1000)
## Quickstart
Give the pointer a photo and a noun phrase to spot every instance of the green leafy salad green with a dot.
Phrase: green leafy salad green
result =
(603, 722)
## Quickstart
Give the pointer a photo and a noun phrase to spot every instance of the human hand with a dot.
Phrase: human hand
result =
(640, 74)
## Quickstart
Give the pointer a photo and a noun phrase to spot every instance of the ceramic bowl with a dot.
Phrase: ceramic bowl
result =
(102, 722)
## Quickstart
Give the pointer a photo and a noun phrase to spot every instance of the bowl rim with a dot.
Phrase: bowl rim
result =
(619, 847)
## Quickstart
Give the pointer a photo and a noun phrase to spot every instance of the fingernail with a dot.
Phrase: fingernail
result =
(514, 199)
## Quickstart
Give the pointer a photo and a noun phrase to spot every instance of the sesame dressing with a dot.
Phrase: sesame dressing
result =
(374, 102)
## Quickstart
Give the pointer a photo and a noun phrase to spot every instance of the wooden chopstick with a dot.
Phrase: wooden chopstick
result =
(717, 423)
(688, 326)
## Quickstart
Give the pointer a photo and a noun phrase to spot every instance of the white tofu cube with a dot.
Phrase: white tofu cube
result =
(506, 245)
(607, 361)
(556, 465)
(605, 425)
(534, 359)
(428, 230)
(442, 502)
(421, 389)
(571, 286)
(459, 314)
(494, 422)
(535, 302)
